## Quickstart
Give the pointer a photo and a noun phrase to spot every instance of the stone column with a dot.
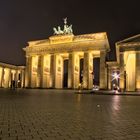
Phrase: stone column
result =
(17, 78)
(28, 71)
(103, 70)
(53, 70)
(138, 71)
(59, 72)
(2, 76)
(40, 71)
(122, 79)
(88, 71)
(46, 71)
(109, 78)
(73, 71)
(9, 78)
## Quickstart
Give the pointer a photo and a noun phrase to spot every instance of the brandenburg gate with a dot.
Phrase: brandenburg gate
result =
(45, 59)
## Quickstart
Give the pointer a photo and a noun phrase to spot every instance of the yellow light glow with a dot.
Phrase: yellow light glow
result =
(0, 75)
(116, 76)
(34, 64)
(130, 70)
(96, 36)
(61, 39)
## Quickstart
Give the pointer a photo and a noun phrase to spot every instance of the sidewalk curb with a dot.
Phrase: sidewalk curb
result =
(107, 93)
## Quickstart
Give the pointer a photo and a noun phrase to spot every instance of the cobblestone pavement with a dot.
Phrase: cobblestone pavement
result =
(62, 115)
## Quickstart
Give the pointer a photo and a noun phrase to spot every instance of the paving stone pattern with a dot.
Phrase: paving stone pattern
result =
(33, 114)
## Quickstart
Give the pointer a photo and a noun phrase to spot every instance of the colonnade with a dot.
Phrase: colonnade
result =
(46, 70)
(9, 73)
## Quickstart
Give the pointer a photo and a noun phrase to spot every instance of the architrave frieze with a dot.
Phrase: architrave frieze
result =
(129, 47)
(4, 65)
(68, 47)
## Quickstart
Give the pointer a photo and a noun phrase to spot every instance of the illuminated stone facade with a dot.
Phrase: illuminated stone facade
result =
(10, 73)
(127, 65)
(45, 60)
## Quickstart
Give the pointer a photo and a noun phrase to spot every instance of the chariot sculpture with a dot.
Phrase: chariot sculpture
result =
(66, 29)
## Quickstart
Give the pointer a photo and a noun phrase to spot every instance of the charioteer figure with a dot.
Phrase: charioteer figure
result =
(66, 29)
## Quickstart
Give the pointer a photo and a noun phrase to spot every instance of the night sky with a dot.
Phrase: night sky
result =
(25, 20)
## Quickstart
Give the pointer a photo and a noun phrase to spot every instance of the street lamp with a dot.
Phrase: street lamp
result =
(116, 77)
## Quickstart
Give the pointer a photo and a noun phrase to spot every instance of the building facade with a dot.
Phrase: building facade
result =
(127, 65)
(11, 75)
(45, 60)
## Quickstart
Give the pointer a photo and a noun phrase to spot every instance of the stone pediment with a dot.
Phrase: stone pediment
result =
(133, 39)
